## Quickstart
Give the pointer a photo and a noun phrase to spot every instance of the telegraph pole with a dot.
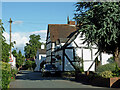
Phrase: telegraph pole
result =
(10, 35)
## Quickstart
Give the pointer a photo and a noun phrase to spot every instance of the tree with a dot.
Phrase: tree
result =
(19, 58)
(31, 47)
(100, 23)
(5, 47)
(14, 52)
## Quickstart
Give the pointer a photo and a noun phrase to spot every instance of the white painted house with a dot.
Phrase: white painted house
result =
(54, 33)
(40, 57)
(75, 47)
(64, 44)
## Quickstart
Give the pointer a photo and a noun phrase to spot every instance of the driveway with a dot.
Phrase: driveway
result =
(29, 79)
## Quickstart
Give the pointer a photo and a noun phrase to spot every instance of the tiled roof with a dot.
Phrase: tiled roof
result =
(42, 51)
(60, 31)
(61, 40)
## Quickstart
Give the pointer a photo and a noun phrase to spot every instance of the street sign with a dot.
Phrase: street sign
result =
(11, 60)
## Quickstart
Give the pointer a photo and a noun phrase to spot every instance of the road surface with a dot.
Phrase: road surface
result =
(29, 79)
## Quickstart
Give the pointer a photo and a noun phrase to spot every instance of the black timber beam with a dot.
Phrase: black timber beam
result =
(70, 62)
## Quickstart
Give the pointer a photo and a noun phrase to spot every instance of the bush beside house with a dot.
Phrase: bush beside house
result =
(108, 70)
(8, 74)
(106, 76)
(106, 67)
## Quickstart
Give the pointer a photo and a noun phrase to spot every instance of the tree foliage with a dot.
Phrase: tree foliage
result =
(31, 47)
(100, 23)
(5, 46)
(19, 58)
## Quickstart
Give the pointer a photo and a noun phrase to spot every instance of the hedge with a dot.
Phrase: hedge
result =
(106, 67)
(6, 75)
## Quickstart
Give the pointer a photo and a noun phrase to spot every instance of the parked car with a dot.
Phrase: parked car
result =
(49, 69)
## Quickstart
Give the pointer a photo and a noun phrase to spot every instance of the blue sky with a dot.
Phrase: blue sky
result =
(37, 14)
(34, 17)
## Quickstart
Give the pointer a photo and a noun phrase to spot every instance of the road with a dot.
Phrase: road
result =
(29, 79)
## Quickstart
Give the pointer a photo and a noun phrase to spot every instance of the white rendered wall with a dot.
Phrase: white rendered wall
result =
(79, 41)
(62, 44)
(88, 58)
(78, 52)
(72, 45)
(105, 57)
(87, 54)
(42, 46)
(39, 59)
(94, 51)
(53, 45)
(87, 64)
(41, 55)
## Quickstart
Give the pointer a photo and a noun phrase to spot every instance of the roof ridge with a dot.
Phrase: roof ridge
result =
(59, 24)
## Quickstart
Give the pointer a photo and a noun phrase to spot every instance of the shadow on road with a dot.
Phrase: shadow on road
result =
(23, 80)
(29, 75)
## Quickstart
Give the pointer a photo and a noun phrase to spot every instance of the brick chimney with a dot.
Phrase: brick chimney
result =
(70, 22)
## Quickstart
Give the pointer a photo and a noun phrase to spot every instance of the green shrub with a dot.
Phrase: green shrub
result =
(30, 64)
(77, 65)
(106, 74)
(71, 73)
(14, 71)
(113, 67)
(6, 75)
(116, 73)
(111, 60)
(106, 67)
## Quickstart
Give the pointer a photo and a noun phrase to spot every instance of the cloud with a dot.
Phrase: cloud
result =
(19, 38)
(37, 32)
(22, 38)
(6, 35)
(17, 22)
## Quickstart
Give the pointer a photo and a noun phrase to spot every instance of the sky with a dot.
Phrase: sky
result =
(33, 18)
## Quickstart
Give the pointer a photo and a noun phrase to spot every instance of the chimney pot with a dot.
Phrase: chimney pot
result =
(42, 46)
